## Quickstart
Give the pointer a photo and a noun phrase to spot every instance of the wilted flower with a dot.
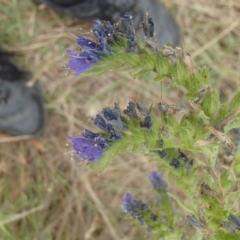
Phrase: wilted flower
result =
(235, 220)
(192, 221)
(162, 153)
(102, 35)
(157, 181)
(142, 109)
(146, 123)
(163, 107)
(124, 27)
(131, 110)
(148, 26)
(233, 225)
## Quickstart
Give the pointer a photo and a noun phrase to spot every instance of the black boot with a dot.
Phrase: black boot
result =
(165, 27)
(21, 107)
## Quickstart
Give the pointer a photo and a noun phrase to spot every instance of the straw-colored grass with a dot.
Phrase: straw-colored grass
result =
(44, 194)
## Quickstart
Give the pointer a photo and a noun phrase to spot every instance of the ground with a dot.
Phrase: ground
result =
(44, 193)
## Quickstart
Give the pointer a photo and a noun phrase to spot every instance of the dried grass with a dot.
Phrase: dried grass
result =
(44, 195)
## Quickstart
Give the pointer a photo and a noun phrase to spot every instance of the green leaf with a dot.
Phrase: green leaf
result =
(211, 151)
(147, 61)
(181, 74)
(140, 73)
(135, 147)
(203, 116)
(233, 124)
(131, 59)
(222, 113)
(162, 67)
(211, 103)
(235, 103)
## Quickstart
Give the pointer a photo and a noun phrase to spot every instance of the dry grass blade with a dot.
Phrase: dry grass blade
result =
(22, 215)
(221, 35)
(15, 139)
(101, 208)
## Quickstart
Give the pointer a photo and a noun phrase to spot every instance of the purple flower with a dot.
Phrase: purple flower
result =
(114, 134)
(101, 123)
(125, 28)
(90, 135)
(91, 51)
(134, 207)
(79, 62)
(113, 115)
(87, 44)
(101, 142)
(157, 181)
(138, 210)
(131, 110)
(86, 149)
(102, 35)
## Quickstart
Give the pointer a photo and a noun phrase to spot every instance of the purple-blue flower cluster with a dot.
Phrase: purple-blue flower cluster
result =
(157, 181)
(93, 50)
(90, 146)
(139, 111)
(137, 209)
(176, 162)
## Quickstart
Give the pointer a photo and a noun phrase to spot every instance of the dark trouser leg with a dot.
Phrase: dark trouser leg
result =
(21, 107)
(66, 2)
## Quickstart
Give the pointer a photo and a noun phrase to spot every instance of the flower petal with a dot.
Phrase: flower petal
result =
(79, 65)
(86, 43)
(93, 153)
(157, 181)
(80, 144)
